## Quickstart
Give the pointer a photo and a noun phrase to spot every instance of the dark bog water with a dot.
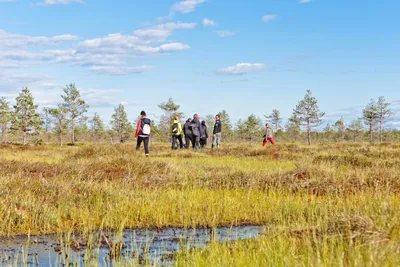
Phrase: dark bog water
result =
(132, 247)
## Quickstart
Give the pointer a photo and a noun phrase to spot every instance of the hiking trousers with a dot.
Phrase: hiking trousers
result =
(175, 139)
(217, 139)
(203, 142)
(195, 142)
(188, 140)
(145, 141)
(266, 140)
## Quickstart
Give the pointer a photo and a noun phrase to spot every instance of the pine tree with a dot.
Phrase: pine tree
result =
(75, 106)
(371, 117)
(82, 132)
(293, 127)
(170, 109)
(227, 128)
(308, 113)
(275, 119)
(25, 117)
(383, 112)
(356, 127)
(340, 127)
(240, 130)
(60, 116)
(252, 127)
(96, 127)
(120, 123)
(5, 118)
(328, 131)
(210, 119)
(47, 121)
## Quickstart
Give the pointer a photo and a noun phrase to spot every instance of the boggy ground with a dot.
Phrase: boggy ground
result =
(331, 204)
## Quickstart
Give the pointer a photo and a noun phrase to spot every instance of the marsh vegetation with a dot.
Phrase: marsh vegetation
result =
(327, 204)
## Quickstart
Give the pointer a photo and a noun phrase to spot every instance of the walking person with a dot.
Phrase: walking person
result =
(195, 126)
(269, 135)
(143, 133)
(217, 132)
(188, 133)
(203, 135)
(177, 133)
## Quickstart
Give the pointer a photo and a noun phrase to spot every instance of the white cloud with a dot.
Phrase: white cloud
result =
(267, 18)
(102, 54)
(208, 22)
(161, 32)
(242, 68)
(19, 40)
(304, 1)
(225, 33)
(60, 2)
(123, 44)
(172, 47)
(120, 70)
(139, 43)
(12, 81)
(186, 6)
(13, 58)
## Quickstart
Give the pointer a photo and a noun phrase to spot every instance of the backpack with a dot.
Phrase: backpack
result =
(175, 128)
(193, 127)
(146, 129)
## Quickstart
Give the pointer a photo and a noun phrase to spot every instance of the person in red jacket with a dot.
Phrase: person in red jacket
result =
(143, 132)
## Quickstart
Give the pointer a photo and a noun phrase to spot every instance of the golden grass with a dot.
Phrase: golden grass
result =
(335, 204)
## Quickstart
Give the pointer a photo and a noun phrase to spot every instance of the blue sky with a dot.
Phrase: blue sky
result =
(243, 56)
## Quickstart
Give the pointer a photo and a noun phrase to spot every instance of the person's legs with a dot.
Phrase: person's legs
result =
(139, 142)
(202, 145)
(180, 141)
(187, 141)
(265, 142)
(218, 141)
(146, 145)
(194, 141)
(214, 141)
(173, 142)
(271, 140)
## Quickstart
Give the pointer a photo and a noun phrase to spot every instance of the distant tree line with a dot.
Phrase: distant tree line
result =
(24, 123)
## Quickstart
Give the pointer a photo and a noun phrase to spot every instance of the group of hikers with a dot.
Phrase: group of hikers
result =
(194, 132)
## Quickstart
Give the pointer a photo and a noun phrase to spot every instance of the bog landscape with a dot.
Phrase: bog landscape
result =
(77, 192)
(204, 133)
(325, 204)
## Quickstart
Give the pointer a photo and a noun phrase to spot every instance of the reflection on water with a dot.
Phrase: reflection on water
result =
(132, 246)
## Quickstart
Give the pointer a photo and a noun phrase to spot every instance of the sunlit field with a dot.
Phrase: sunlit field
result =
(327, 204)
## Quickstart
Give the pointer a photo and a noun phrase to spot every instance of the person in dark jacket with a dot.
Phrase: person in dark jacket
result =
(203, 135)
(188, 133)
(196, 131)
(217, 133)
(143, 132)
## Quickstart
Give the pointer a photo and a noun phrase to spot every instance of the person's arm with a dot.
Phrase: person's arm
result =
(139, 125)
(200, 128)
(180, 128)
